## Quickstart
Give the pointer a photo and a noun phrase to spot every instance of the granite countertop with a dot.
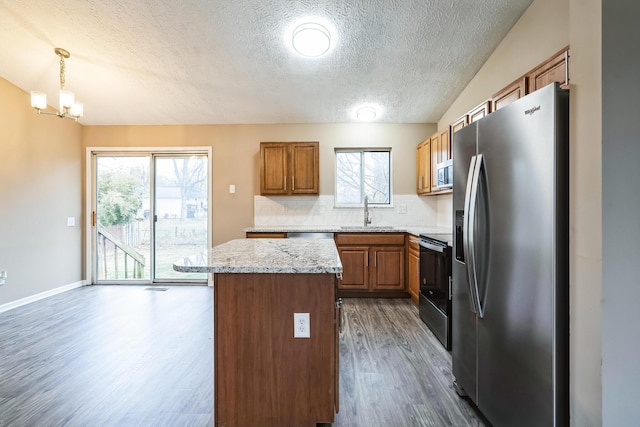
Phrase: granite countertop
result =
(416, 230)
(266, 256)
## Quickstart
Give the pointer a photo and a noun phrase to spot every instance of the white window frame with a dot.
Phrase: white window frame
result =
(362, 151)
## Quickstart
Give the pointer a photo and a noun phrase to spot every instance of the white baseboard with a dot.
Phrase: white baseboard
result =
(33, 298)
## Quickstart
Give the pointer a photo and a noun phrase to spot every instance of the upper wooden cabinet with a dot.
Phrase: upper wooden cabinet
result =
(459, 124)
(289, 168)
(440, 151)
(439, 147)
(423, 167)
(435, 159)
(479, 112)
(555, 69)
(445, 144)
(429, 153)
(506, 96)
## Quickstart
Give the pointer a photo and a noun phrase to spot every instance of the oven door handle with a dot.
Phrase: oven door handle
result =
(430, 246)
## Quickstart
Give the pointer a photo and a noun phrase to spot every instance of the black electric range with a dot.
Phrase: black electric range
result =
(435, 284)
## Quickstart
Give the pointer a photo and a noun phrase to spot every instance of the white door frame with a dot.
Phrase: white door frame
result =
(90, 195)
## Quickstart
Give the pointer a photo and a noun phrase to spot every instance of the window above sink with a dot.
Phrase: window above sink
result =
(363, 172)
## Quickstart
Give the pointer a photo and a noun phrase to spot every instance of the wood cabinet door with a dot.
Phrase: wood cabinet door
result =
(445, 144)
(414, 269)
(273, 168)
(418, 168)
(459, 124)
(305, 168)
(435, 159)
(423, 165)
(355, 267)
(506, 96)
(555, 69)
(480, 111)
(388, 268)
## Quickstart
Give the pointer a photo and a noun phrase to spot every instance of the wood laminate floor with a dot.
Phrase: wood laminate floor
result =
(127, 356)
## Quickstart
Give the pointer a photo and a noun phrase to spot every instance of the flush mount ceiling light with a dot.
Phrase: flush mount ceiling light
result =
(311, 39)
(68, 107)
(366, 114)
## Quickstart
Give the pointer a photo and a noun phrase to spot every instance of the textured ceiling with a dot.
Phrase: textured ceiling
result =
(228, 62)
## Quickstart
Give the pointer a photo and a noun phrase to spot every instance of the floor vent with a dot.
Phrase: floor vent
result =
(157, 289)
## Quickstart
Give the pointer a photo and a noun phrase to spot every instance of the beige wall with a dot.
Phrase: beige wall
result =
(40, 186)
(236, 155)
(586, 211)
(546, 27)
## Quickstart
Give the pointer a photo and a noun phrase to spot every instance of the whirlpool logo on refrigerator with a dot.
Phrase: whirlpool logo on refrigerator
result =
(530, 111)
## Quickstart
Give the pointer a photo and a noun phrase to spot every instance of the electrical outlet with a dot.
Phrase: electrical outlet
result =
(402, 209)
(301, 325)
(3, 276)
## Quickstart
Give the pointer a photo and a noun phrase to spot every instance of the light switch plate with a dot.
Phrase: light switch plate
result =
(71, 221)
(232, 188)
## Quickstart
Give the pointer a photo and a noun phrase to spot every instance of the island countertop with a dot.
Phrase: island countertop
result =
(265, 256)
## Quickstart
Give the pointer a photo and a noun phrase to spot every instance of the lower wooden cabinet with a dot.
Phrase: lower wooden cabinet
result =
(413, 255)
(372, 263)
(355, 267)
(264, 235)
(388, 268)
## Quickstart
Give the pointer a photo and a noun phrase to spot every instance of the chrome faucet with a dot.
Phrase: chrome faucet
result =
(367, 216)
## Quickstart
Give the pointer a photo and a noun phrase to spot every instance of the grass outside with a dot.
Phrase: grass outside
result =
(175, 239)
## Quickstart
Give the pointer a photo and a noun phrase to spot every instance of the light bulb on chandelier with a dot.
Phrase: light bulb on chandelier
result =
(69, 108)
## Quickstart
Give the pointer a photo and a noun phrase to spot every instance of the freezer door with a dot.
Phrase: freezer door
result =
(522, 328)
(463, 320)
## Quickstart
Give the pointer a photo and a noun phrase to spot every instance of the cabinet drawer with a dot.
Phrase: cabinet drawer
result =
(369, 239)
(265, 235)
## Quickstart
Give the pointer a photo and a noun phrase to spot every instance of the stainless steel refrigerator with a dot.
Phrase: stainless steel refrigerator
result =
(511, 260)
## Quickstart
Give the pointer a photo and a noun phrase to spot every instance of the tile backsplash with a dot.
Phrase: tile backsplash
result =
(407, 210)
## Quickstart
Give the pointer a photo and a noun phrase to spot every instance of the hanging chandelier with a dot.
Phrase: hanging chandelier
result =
(69, 108)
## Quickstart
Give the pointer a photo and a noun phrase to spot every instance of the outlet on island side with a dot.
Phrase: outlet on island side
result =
(301, 325)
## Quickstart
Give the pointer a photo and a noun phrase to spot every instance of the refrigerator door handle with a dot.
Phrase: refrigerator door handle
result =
(473, 205)
(466, 228)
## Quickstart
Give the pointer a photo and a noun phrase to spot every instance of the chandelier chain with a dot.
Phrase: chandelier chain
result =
(62, 70)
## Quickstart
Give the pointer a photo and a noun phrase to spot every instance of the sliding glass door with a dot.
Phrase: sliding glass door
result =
(181, 212)
(150, 210)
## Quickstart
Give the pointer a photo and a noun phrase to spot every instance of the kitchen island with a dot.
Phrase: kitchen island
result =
(263, 376)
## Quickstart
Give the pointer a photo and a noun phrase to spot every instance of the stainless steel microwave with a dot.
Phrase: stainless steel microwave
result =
(445, 174)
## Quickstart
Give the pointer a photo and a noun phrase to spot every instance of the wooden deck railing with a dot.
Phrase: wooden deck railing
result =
(134, 270)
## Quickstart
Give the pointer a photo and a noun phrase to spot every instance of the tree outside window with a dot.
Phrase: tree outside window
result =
(361, 172)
